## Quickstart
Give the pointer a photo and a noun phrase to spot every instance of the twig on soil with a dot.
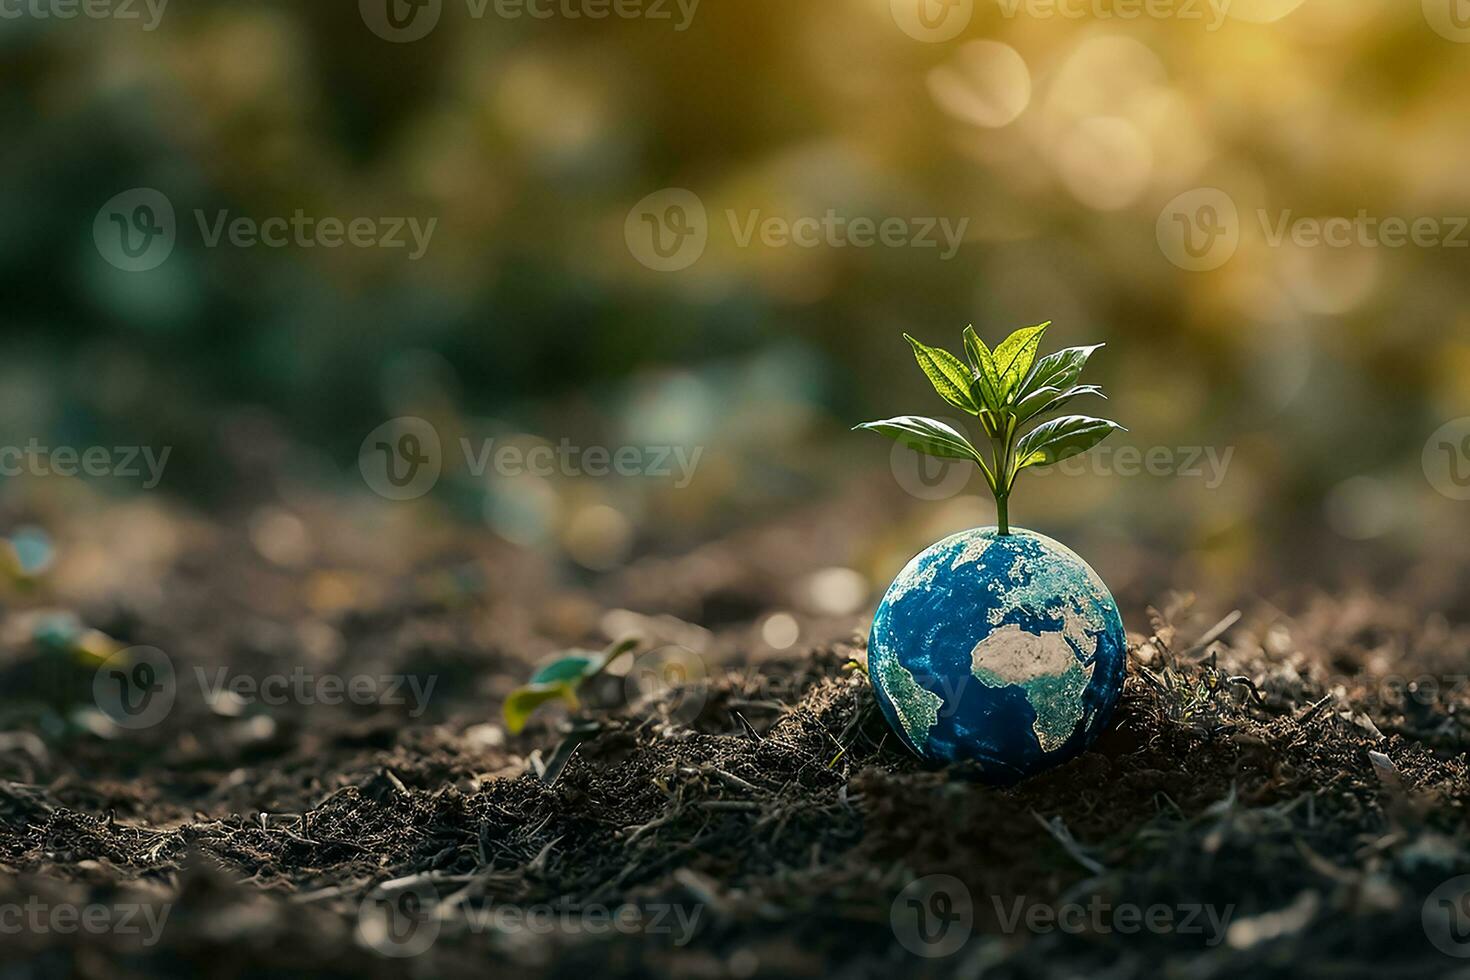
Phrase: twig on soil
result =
(776, 706)
(482, 879)
(740, 806)
(550, 770)
(636, 832)
(736, 781)
(1246, 682)
(1213, 634)
(1058, 829)
(729, 778)
(749, 728)
(704, 889)
(1387, 773)
(538, 863)
(853, 725)
(1311, 712)
(665, 857)
(330, 892)
(414, 880)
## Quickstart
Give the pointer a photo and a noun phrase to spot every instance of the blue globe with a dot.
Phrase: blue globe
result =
(1004, 650)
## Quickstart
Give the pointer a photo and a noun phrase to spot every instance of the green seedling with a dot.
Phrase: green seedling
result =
(559, 681)
(26, 556)
(1009, 390)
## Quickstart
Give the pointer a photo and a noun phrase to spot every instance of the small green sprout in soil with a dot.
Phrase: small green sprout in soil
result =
(1007, 389)
(26, 555)
(559, 681)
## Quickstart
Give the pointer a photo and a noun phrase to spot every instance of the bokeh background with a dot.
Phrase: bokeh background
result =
(1060, 141)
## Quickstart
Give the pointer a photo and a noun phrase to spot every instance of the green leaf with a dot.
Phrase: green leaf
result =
(524, 700)
(1049, 399)
(1057, 370)
(1015, 355)
(560, 680)
(926, 436)
(1034, 402)
(577, 666)
(947, 374)
(985, 389)
(572, 667)
(1051, 442)
(613, 652)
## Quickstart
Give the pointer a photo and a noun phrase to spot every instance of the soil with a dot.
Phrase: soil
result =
(1295, 767)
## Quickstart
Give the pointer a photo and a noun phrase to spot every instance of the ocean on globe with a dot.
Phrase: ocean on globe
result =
(1004, 650)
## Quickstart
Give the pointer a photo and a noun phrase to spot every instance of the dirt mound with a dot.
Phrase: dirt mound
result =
(1273, 794)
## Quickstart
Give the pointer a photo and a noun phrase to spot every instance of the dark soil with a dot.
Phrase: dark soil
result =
(1302, 772)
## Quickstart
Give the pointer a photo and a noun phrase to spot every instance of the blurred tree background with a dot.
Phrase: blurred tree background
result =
(1059, 141)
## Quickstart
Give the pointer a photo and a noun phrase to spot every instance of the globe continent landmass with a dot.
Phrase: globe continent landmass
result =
(1007, 650)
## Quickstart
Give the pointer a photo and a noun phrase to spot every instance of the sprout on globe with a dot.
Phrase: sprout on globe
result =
(998, 645)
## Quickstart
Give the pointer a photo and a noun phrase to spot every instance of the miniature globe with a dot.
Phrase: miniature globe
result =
(1004, 650)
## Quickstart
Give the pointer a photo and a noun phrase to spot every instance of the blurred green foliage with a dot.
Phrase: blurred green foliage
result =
(1059, 143)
